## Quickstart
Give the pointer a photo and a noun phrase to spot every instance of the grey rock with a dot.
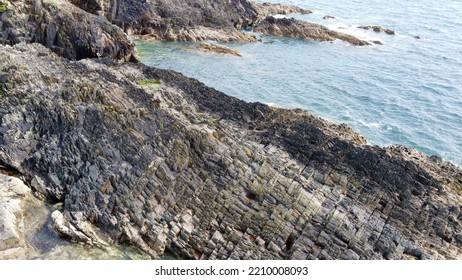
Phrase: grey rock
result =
(66, 29)
(378, 29)
(72, 129)
(293, 28)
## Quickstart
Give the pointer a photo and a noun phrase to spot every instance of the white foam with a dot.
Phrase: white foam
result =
(317, 12)
(354, 31)
(370, 124)
(279, 16)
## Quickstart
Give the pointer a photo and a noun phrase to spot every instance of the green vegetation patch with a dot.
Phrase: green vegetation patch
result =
(3, 7)
(3, 90)
(149, 83)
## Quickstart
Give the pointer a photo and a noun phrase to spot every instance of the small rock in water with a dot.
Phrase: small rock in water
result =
(378, 29)
(328, 17)
(220, 49)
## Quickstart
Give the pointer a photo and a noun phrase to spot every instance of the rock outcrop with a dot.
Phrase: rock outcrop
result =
(191, 21)
(67, 30)
(267, 9)
(378, 29)
(178, 20)
(166, 163)
(219, 49)
(293, 28)
(78, 29)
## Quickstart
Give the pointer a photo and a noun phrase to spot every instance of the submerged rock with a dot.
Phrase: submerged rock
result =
(303, 30)
(219, 49)
(151, 157)
(378, 29)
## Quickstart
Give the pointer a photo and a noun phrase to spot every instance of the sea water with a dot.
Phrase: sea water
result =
(406, 91)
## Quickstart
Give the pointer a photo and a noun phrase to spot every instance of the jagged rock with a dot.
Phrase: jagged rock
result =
(178, 20)
(219, 49)
(197, 34)
(378, 29)
(417, 37)
(66, 29)
(166, 163)
(75, 226)
(191, 21)
(304, 30)
(266, 9)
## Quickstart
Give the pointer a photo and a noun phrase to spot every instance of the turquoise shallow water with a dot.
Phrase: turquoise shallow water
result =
(407, 91)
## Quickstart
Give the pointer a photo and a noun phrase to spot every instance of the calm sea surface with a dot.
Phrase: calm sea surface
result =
(407, 91)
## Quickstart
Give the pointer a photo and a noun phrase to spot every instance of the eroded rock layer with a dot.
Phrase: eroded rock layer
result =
(78, 29)
(64, 28)
(166, 163)
(293, 28)
(178, 20)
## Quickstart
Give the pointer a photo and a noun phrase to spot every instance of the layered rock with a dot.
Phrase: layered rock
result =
(293, 28)
(26, 234)
(178, 20)
(162, 161)
(64, 28)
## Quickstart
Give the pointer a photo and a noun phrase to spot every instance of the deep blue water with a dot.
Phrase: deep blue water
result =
(407, 91)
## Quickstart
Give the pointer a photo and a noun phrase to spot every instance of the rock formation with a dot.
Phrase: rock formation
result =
(151, 157)
(219, 49)
(293, 28)
(64, 28)
(178, 20)
(378, 29)
(267, 9)
(79, 29)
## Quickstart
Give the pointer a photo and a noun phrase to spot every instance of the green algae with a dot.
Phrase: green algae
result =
(149, 83)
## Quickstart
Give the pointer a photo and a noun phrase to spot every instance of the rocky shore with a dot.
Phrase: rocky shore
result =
(161, 161)
(292, 28)
(100, 28)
